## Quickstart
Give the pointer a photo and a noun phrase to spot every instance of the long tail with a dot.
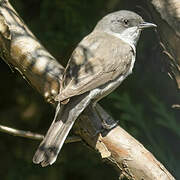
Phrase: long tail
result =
(64, 119)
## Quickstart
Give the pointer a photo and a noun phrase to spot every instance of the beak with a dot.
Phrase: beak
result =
(147, 25)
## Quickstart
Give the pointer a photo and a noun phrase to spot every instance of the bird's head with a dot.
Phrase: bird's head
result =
(124, 24)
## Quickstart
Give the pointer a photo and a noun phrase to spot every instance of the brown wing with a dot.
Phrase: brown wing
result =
(99, 58)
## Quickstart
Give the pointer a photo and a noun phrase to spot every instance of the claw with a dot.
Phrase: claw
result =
(109, 126)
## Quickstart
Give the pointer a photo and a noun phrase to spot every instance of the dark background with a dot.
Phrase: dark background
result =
(142, 104)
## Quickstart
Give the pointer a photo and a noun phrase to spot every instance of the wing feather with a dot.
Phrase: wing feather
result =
(93, 64)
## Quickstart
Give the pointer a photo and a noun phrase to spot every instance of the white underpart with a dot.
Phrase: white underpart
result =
(130, 36)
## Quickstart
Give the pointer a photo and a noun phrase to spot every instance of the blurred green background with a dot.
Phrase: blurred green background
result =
(142, 104)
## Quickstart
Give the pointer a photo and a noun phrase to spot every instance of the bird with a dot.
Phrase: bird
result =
(97, 66)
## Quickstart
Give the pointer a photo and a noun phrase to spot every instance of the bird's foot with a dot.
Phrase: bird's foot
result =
(107, 126)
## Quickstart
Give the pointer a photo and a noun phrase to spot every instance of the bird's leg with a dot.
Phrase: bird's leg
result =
(106, 123)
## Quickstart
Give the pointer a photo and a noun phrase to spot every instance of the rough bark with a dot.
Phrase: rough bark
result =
(166, 14)
(21, 49)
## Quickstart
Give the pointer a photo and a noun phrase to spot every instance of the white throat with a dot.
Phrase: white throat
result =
(130, 36)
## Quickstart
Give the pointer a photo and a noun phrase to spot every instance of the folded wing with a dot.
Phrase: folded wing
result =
(93, 63)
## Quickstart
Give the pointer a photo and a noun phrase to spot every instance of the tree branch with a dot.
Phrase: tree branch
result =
(166, 13)
(21, 133)
(21, 49)
(31, 135)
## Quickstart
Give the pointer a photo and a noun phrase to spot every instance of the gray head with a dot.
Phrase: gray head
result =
(127, 25)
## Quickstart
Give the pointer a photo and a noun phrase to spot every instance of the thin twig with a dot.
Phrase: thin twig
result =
(31, 135)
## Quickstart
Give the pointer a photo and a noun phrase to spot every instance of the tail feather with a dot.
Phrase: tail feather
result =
(51, 145)
(64, 119)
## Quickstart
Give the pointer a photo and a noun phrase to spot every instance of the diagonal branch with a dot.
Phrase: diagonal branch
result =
(20, 48)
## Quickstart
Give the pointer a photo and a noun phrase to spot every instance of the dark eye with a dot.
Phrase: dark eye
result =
(126, 22)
